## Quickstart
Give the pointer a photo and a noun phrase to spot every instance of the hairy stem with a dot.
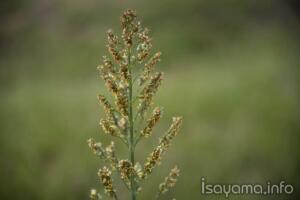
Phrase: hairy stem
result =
(131, 128)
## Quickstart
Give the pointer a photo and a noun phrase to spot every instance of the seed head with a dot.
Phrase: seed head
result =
(108, 127)
(124, 71)
(107, 63)
(130, 26)
(156, 115)
(152, 160)
(122, 100)
(96, 148)
(112, 38)
(108, 109)
(170, 180)
(107, 153)
(149, 67)
(148, 92)
(105, 177)
(113, 41)
(110, 155)
(126, 169)
(109, 79)
(144, 45)
(171, 133)
(130, 50)
(127, 18)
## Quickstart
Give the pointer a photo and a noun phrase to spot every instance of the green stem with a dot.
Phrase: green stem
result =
(131, 128)
(157, 195)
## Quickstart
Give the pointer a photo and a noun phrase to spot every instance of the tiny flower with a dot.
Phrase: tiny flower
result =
(138, 170)
(94, 195)
(122, 123)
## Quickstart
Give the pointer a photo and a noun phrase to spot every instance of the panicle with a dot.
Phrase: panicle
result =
(149, 67)
(105, 177)
(169, 181)
(131, 49)
(148, 92)
(156, 115)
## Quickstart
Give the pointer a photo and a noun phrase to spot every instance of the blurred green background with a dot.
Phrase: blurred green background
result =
(231, 70)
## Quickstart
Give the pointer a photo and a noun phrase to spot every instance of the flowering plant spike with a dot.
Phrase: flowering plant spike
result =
(129, 74)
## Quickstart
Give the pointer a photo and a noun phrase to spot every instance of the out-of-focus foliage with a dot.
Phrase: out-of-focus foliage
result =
(232, 71)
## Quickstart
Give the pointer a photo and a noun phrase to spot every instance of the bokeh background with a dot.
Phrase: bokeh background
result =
(232, 72)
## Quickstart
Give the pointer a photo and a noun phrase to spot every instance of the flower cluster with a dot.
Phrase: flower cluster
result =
(171, 133)
(148, 92)
(126, 169)
(128, 72)
(147, 131)
(109, 110)
(169, 181)
(152, 160)
(149, 67)
(105, 177)
(155, 156)
(107, 153)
